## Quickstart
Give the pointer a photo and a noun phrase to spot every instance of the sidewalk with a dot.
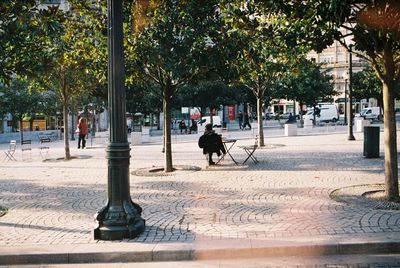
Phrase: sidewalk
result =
(286, 205)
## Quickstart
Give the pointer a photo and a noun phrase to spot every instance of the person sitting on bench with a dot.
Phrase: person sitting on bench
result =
(182, 126)
(211, 143)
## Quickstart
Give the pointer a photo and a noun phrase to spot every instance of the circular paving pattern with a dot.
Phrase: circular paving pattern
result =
(369, 195)
(62, 159)
(3, 211)
(288, 194)
(159, 171)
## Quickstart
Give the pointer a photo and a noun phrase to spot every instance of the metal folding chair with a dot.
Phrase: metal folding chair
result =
(11, 151)
(250, 151)
(26, 147)
(44, 149)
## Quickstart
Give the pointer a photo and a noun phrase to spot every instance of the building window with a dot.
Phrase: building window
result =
(326, 59)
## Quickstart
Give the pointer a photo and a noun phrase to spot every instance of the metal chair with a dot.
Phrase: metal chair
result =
(11, 151)
(250, 151)
(43, 149)
(25, 147)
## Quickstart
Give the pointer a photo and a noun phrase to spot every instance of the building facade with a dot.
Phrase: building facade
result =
(336, 59)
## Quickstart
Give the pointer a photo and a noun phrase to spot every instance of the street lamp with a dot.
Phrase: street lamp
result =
(120, 218)
(350, 103)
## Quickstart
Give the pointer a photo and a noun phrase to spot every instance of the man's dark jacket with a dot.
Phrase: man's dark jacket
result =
(211, 143)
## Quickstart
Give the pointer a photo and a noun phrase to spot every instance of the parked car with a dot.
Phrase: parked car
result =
(325, 112)
(371, 113)
(285, 116)
(270, 115)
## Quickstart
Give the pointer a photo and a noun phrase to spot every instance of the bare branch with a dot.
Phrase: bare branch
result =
(152, 76)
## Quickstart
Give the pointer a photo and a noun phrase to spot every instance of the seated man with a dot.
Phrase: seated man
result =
(211, 143)
(182, 126)
(291, 119)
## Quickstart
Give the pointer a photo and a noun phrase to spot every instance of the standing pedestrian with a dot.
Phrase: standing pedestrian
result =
(246, 120)
(240, 118)
(82, 129)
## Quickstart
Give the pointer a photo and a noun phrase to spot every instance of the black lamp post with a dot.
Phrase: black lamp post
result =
(350, 107)
(120, 218)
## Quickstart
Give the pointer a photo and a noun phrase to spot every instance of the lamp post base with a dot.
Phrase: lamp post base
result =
(119, 222)
(351, 138)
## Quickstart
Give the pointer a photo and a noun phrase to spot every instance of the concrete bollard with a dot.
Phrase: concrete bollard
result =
(291, 129)
(360, 124)
(136, 138)
(145, 134)
(308, 123)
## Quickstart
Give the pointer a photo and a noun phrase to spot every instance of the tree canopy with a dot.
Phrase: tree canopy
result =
(369, 28)
(17, 99)
(263, 49)
(171, 43)
(307, 83)
(23, 32)
(366, 85)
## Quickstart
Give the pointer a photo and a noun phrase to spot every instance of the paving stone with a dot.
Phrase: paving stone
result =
(287, 195)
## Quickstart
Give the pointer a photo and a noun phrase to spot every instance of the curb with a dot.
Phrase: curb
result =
(205, 250)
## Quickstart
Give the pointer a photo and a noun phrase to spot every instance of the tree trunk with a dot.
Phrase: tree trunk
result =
(158, 121)
(167, 128)
(211, 116)
(163, 140)
(31, 123)
(314, 117)
(260, 122)
(301, 114)
(14, 124)
(66, 139)
(21, 128)
(391, 168)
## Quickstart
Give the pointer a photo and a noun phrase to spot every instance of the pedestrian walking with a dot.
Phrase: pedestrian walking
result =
(82, 130)
(246, 120)
(240, 118)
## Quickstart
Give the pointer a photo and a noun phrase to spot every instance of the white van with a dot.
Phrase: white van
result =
(201, 124)
(328, 113)
(371, 113)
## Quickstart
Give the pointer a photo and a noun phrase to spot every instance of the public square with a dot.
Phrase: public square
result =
(303, 198)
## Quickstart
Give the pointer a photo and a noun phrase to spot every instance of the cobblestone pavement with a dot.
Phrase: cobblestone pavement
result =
(286, 195)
